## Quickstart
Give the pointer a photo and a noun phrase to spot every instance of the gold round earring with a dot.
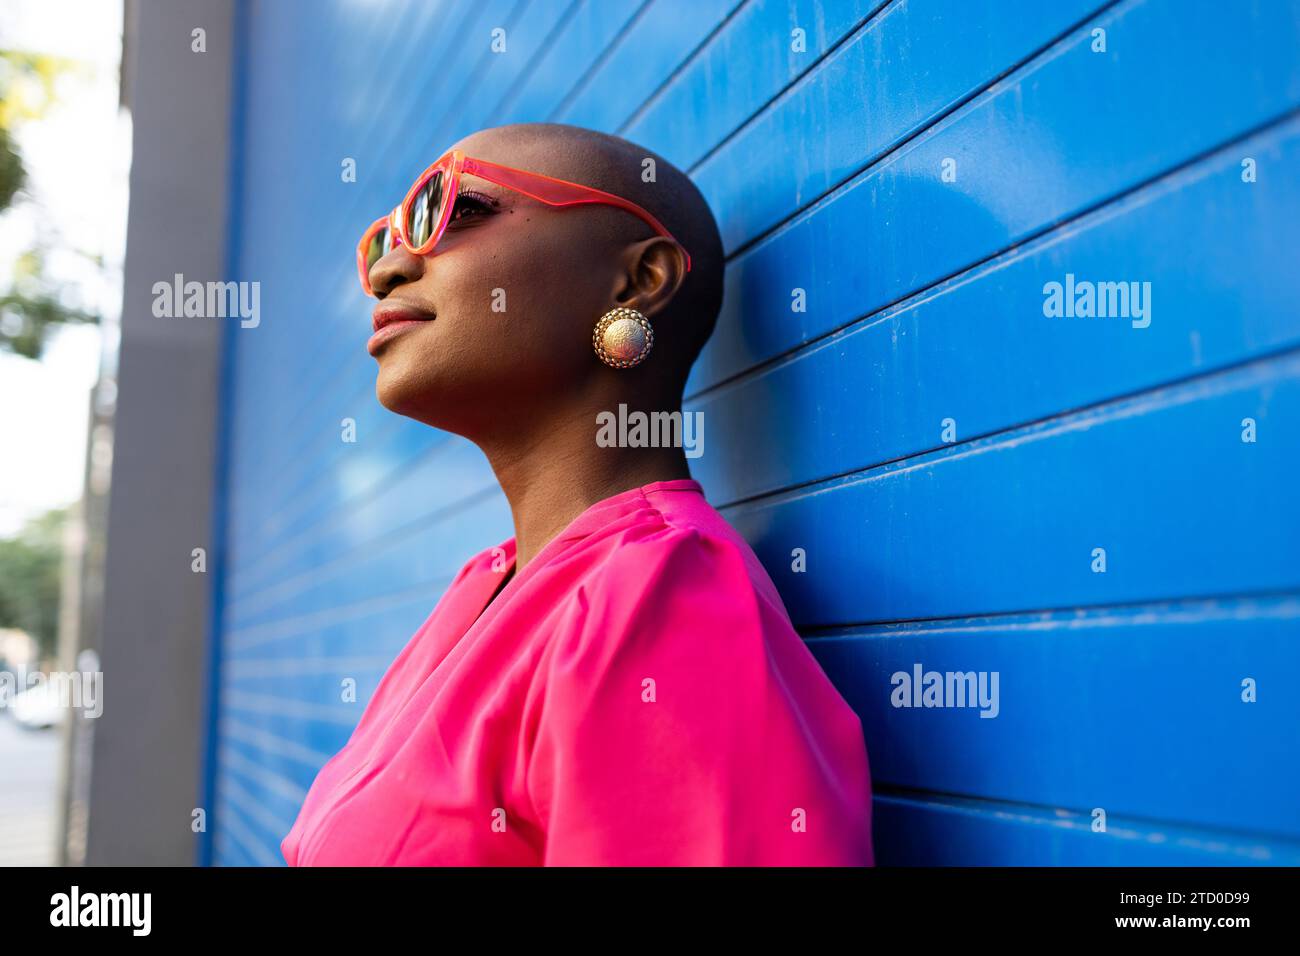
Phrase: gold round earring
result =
(623, 338)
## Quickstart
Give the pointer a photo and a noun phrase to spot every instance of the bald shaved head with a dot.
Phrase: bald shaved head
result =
(617, 166)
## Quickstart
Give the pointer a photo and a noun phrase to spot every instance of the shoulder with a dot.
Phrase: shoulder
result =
(672, 583)
(669, 551)
(495, 558)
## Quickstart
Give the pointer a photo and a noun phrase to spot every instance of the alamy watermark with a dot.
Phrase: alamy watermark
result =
(75, 908)
(83, 690)
(922, 688)
(1102, 300)
(638, 429)
(208, 300)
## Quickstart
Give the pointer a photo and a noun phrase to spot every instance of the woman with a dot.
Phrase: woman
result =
(619, 683)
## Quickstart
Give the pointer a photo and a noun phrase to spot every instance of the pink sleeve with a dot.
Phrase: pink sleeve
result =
(684, 723)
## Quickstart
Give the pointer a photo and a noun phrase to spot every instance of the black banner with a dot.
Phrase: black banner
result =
(306, 905)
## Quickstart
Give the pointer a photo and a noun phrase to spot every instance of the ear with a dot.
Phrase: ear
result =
(654, 269)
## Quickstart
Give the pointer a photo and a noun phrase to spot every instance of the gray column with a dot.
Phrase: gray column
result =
(146, 760)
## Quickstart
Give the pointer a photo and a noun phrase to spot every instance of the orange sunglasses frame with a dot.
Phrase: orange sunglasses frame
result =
(453, 164)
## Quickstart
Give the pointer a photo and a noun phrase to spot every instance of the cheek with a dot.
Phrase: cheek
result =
(517, 303)
(544, 264)
(516, 307)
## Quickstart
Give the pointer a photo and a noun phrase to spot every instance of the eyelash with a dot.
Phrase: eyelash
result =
(476, 201)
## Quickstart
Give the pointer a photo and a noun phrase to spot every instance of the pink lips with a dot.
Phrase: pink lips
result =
(390, 319)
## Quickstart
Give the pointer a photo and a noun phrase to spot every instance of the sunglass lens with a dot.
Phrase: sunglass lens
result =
(424, 210)
(381, 243)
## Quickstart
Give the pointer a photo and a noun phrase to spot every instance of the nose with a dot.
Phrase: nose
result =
(394, 268)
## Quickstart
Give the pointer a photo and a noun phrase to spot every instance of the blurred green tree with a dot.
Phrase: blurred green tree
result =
(31, 306)
(30, 567)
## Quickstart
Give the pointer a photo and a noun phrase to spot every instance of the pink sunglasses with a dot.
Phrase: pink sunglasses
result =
(422, 217)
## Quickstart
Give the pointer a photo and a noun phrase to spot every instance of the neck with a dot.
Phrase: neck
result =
(555, 473)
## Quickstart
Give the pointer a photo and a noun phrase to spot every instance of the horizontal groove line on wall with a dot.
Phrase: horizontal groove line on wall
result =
(1146, 713)
(1246, 845)
(277, 592)
(270, 781)
(676, 73)
(832, 48)
(249, 568)
(973, 241)
(1167, 183)
(990, 324)
(1274, 606)
(1156, 399)
(599, 61)
(257, 634)
(920, 129)
(298, 666)
(344, 715)
(229, 823)
(296, 501)
(268, 742)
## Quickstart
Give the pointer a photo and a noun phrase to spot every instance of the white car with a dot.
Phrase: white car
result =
(38, 707)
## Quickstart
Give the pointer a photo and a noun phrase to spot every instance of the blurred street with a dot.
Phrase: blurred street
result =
(29, 767)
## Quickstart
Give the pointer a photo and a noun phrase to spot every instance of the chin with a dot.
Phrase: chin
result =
(410, 397)
(397, 392)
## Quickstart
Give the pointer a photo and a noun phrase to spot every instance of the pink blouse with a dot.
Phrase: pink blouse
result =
(635, 696)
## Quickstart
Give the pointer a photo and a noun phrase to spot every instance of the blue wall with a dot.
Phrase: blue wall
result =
(947, 457)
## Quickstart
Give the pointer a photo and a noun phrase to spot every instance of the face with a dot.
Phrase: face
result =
(495, 324)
